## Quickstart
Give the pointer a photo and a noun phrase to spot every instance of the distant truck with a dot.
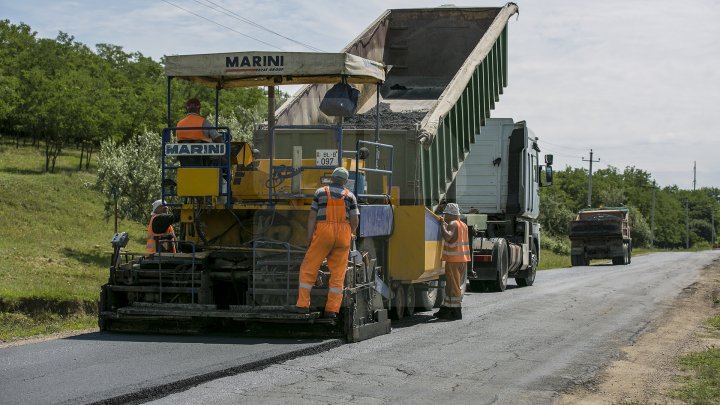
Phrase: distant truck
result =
(498, 186)
(600, 233)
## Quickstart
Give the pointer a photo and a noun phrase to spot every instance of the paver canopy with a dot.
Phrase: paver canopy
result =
(245, 69)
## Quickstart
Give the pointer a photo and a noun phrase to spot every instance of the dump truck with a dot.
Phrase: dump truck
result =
(427, 81)
(600, 233)
(498, 189)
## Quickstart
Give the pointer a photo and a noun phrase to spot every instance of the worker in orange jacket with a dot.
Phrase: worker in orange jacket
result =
(193, 119)
(456, 254)
(331, 226)
(160, 227)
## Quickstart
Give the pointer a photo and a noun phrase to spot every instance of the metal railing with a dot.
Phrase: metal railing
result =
(225, 173)
(387, 173)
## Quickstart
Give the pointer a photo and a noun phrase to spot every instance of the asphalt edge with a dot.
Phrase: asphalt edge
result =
(159, 391)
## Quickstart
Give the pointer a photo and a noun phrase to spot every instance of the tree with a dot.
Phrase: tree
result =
(130, 170)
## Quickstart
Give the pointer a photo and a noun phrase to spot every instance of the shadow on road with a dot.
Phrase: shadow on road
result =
(209, 338)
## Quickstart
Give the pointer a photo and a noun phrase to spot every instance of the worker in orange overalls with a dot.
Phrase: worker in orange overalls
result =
(456, 254)
(193, 119)
(160, 226)
(331, 224)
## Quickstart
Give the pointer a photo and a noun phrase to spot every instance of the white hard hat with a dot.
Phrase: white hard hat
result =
(452, 209)
(155, 205)
(340, 173)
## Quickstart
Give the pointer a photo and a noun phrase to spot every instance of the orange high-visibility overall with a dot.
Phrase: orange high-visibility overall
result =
(168, 237)
(330, 239)
(456, 255)
(192, 120)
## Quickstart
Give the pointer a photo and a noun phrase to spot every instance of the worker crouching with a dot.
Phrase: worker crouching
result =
(332, 222)
(456, 254)
(160, 234)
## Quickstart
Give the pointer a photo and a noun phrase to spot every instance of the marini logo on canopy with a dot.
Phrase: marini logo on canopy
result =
(255, 63)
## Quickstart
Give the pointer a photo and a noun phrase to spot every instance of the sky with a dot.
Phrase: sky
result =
(636, 81)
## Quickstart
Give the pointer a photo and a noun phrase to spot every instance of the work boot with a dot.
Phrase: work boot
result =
(329, 315)
(442, 313)
(456, 314)
(299, 310)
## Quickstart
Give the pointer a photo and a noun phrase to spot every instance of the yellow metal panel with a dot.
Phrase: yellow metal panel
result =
(415, 245)
(198, 182)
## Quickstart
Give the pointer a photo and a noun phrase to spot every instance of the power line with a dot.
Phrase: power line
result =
(224, 26)
(562, 146)
(237, 16)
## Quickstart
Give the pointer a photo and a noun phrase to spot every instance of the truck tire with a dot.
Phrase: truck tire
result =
(409, 300)
(397, 303)
(626, 254)
(500, 256)
(425, 298)
(440, 297)
(618, 260)
(532, 269)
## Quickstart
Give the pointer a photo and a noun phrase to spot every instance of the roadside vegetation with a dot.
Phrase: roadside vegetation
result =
(54, 245)
(703, 385)
(630, 188)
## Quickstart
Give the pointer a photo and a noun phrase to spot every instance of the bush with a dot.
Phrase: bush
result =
(132, 170)
(639, 228)
(556, 244)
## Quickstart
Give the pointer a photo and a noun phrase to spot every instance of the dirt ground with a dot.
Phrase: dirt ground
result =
(647, 371)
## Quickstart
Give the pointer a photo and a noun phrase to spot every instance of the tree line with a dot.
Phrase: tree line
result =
(60, 93)
(632, 188)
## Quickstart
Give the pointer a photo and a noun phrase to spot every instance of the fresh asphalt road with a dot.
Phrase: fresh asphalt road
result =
(522, 345)
(525, 345)
(99, 366)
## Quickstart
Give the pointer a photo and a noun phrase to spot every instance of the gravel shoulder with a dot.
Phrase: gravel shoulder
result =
(647, 370)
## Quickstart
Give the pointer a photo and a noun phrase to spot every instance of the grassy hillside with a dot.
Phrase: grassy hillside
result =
(54, 240)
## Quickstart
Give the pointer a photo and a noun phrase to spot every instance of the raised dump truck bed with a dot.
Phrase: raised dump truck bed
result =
(448, 69)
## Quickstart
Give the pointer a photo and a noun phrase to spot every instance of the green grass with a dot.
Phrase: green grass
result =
(17, 325)
(54, 241)
(703, 386)
(552, 260)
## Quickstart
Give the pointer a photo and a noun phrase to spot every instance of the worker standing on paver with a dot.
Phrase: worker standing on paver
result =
(160, 231)
(456, 254)
(331, 226)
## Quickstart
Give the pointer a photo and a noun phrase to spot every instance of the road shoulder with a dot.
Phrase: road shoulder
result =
(647, 371)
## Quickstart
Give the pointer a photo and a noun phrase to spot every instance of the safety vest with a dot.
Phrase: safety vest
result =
(168, 236)
(335, 211)
(192, 120)
(458, 251)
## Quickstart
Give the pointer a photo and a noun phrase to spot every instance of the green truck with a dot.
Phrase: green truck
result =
(600, 233)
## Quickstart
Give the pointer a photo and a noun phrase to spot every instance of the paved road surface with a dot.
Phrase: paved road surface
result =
(97, 366)
(523, 345)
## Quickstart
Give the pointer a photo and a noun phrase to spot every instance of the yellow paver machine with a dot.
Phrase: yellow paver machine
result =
(427, 80)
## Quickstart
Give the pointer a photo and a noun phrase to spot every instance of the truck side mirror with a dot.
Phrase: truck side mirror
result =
(545, 175)
(549, 161)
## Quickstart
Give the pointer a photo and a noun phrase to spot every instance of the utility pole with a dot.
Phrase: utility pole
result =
(589, 203)
(694, 174)
(652, 218)
(687, 227)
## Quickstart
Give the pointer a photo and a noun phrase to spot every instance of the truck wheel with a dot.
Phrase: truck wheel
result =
(532, 269)
(425, 299)
(440, 296)
(410, 300)
(397, 304)
(577, 260)
(626, 254)
(500, 255)
(618, 260)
